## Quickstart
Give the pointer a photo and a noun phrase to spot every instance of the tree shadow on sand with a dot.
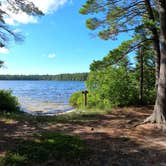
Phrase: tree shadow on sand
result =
(85, 140)
(98, 149)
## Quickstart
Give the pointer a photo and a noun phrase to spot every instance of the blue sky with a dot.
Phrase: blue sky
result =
(58, 42)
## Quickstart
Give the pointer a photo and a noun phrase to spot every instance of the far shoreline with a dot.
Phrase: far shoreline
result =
(47, 77)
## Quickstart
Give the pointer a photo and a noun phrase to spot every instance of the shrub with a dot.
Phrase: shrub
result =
(93, 101)
(110, 87)
(114, 86)
(76, 100)
(8, 102)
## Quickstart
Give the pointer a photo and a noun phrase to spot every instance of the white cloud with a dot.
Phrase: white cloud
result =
(51, 56)
(20, 17)
(46, 6)
(49, 6)
(4, 50)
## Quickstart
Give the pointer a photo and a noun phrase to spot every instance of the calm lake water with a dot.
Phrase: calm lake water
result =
(46, 97)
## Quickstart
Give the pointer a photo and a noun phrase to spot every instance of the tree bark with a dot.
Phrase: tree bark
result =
(156, 46)
(156, 42)
(141, 75)
(159, 113)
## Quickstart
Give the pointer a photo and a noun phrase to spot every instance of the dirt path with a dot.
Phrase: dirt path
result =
(111, 138)
(114, 140)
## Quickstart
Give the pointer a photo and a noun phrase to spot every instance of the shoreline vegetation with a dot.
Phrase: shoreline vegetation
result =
(58, 77)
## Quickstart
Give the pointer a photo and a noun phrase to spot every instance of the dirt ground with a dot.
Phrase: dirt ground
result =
(112, 138)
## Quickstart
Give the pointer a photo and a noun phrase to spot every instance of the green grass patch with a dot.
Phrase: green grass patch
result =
(76, 116)
(46, 149)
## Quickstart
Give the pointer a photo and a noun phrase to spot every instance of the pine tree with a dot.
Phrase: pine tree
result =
(120, 16)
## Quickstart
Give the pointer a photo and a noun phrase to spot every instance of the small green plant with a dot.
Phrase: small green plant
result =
(76, 100)
(13, 159)
(8, 102)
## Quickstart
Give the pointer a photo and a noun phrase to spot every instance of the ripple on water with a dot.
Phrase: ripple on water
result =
(46, 97)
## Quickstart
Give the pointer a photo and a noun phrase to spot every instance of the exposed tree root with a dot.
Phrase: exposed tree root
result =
(157, 118)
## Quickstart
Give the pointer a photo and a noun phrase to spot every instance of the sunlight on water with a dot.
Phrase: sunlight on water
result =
(43, 97)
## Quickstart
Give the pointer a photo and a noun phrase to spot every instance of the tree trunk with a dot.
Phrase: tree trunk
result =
(156, 46)
(141, 76)
(159, 113)
(156, 42)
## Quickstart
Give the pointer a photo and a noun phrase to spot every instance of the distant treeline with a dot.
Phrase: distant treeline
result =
(70, 77)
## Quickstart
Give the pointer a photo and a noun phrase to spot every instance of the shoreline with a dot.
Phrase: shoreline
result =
(48, 113)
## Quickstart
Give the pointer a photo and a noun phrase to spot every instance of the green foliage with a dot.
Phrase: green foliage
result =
(76, 100)
(85, 8)
(110, 18)
(116, 86)
(113, 82)
(107, 88)
(148, 73)
(115, 56)
(92, 23)
(48, 147)
(112, 87)
(8, 102)
(14, 6)
(113, 17)
(94, 100)
(13, 160)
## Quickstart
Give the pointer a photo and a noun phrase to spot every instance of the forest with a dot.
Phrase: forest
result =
(63, 77)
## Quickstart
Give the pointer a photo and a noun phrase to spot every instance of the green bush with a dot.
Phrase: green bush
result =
(113, 86)
(93, 101)
(8, 102)
(110, 87)
(76, 100)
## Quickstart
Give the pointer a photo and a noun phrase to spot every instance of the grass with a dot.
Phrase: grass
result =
(46, 149)
(68, 117)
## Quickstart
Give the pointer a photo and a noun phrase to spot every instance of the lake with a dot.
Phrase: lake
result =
(43, 97)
